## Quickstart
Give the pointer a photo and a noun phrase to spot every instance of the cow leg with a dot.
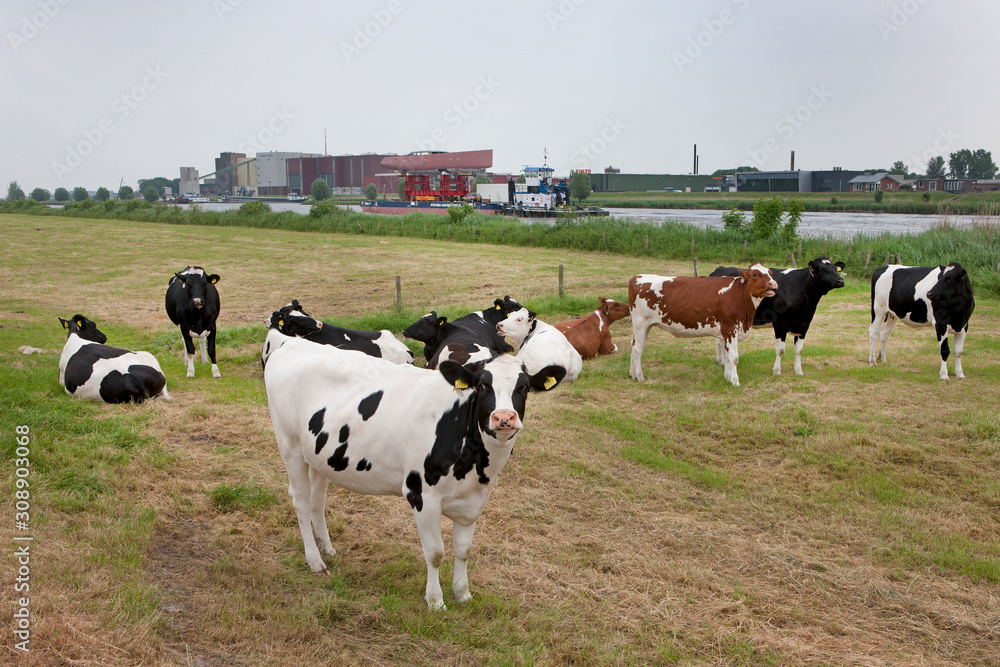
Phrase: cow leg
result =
(318, 486)
(188, 351)
(720, 352)
(942, 336)
(887, 327)
(959, 346)
(639, 332)
(800, 341)
(300, 490)
(732, 359)
(779, 351)
(429, 528)
(210, 344)
(462, 543)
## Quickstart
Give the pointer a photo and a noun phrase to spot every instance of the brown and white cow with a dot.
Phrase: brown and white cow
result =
(591, 334)
(690, 307)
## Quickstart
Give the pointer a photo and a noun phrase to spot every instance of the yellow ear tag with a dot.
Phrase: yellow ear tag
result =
(460, 384)
(65, 324)
(498, 307)
(281, 323)
(79, 323)
(549, 382)
(838, 269)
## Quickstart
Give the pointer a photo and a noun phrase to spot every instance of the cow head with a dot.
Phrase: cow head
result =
(952, 291)
(195, 281)
(827, 274)
(501, 388)
(615, 310)
(293, 322)
(759, 279)
(506, 305)
(426, 329)
(517, 325)
(84, 328)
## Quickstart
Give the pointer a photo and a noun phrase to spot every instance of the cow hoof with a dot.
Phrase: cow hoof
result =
(777, 372)
(437, 606)
(463, 598)
(190, 374)
(216, 373)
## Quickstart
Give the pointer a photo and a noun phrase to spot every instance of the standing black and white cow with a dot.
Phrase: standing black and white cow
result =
(193, 305)
(438, 438)
(291, 320)
(470, 338)
(922, 296)
(793, 306)
(90, 369)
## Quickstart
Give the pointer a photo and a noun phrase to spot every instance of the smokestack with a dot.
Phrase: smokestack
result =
(793, 161)
(696, 158)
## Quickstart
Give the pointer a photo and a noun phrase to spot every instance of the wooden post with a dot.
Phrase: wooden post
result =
(886, 256)
(791, 256)
(868, 259)
(379, 230)
(696, 267)
(898, 259)
(647, 241)
(560, 280)
(473, 230)
(401, 230)
(399, 296)
(800, 250)
(692, 248)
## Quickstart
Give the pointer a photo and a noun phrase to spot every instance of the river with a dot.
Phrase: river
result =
(840, 224)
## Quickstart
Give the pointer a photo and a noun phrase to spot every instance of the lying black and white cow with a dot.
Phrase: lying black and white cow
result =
(793, 306)
(291, 320)
(90, 369)
(922, 296)
(541, 344)
(438, 438)
(470, 338)
(193, 304)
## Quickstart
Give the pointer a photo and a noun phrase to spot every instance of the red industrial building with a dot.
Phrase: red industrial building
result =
(339, 171)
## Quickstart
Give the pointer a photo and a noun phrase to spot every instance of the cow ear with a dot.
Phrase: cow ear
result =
(442, 321)
(65, 323)
(214, 278)
(179, 276)
(840, 266)
(547, 378)
(743, 274)
(457, 375)
(79, 322)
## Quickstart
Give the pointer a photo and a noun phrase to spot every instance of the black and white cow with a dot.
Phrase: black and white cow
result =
(922, 296)
(540, 344)
(193, 305)
(793, 306)
(470, 338)
(90, 369)
(438, 438)
(291, 320)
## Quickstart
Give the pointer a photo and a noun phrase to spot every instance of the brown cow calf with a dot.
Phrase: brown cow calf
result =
(591, 334)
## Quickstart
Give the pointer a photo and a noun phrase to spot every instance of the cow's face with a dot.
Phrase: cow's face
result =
(426, 328)
(952, 288)
(827, 274)
(758, 277)
(615, 310)
(195, 283)
(84, 328)
(501, 388)
(507, 305)
(517, 325)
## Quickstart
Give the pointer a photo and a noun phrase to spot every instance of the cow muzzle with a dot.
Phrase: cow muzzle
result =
(771, 288)
(197, 303)
(505, 421)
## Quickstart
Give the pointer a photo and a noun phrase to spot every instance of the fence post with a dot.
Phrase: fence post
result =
(696, 267)
(791, 256)
(886, 256)
(560, 280)
(647, 241)
(868, 259)
(800, 250)
(399, 296)
(692, 247)
(898, 259)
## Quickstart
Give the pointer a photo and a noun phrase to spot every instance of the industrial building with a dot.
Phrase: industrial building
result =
(610, 182)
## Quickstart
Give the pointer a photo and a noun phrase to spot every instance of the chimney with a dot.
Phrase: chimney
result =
(696, 158)
(793, 161)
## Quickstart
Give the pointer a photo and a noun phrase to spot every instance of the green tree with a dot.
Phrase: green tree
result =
(158, 183)
(935, 167)
(579, 186)
(41, 194)
(320, 190)
(794, 208)
(483, 179)
(735, 219)
(727, 172)
(102, 194)
(767, 214)
(14, 192)
(80, 193)
(899, 168)
(401, 186)
(981, 164)
(61, 194)
(371, 192)
(126, 192)
(150, 194)
(879, 194)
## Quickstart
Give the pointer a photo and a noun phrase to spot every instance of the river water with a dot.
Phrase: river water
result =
(836, 224)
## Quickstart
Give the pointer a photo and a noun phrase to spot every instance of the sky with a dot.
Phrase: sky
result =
(100, 93)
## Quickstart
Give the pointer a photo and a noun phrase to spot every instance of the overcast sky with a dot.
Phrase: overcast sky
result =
(97, 92)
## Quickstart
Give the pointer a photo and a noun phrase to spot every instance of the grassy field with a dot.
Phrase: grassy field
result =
(847, 517)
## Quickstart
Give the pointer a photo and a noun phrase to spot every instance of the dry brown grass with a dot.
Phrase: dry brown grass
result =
(772, 547)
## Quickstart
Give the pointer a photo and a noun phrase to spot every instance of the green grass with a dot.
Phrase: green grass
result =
(241, 497)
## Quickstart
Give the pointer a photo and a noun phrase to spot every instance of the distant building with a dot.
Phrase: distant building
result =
(773, 181)
(272, 173)
(833, 180)
(955, 185)
(345, 174)
(869, 182)
(610, 182)
(232, 172)
(189, 182)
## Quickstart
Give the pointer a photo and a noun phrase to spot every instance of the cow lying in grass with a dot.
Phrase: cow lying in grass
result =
(541, 344)
(591, 334)
(90, 369)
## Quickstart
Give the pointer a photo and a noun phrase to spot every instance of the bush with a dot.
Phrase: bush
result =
(320, 190)
(102, 194)
(80, 193)
(458, 214)
(791, 227)
(767, 216)
(61, 194)
(150, 194)
(833, 200)
(323, 208)
(252, 209)
(41, 194)
(926, 196)
(878, 196)
(371, 192)
(735, 219)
